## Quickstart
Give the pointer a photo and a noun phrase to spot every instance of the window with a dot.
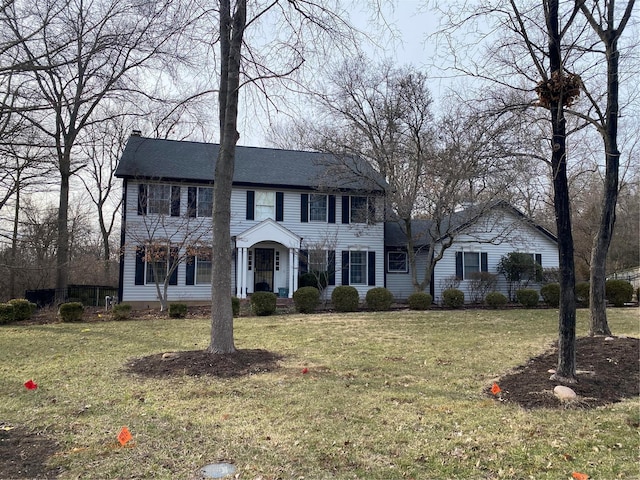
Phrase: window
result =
(358, 268)
(317, 261)
(157, 261)
(205, 201)
(470, 262)
(265, 205)
(397, 262)
(358, 212)
(358, 209)
(159, 199)
(317, 208)
(153, 263)
(203, 266)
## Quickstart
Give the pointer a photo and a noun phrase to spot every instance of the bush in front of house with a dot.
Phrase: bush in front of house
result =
(527, 297)
(121, 311)
(177, 310)
(235, 306)
(71, 312)
(306, 299)
(453, 298)
(618, 292)
(379, 299)
(495, 300)
(263, 303)
(345, 298)
(551, 294)
(22, 309)
(6, 313)
(582, 294)
(419, 301)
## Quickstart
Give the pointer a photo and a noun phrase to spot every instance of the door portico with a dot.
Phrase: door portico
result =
(270, 232)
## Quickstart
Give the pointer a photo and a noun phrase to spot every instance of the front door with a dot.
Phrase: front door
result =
(263, 270)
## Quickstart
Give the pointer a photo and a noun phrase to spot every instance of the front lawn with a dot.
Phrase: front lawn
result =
(385, 395)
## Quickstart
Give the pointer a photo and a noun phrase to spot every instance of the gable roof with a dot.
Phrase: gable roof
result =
(423, 230)
(172, 160)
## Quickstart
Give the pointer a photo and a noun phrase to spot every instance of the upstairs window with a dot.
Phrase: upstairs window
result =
(205, 201)
(265, 205)
(159, 199)
(358, 209)
(317, 208)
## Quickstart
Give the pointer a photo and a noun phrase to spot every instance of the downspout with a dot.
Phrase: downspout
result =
(123, 224)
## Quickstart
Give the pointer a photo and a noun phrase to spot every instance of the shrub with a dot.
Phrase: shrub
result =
(379, 299)
(495, 300)
(315, 279)
(22, 309)
(71, 312)
(453, 298)
(551, 294)
(177, 310)
(6, 313)
(582, 294)
(528, 297)
(121, 311)
(263, 303)
(481, 283)
(306, 299)
(235, 306)
(345, 298)
(618, 292)
(419, 301)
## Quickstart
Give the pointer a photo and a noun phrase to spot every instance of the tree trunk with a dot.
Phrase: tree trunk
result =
(566, 370)
(598, 268)
(14, 240)
(231, 33)
(62, 255)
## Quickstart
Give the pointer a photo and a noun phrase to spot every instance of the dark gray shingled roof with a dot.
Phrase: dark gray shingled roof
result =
(172, 160)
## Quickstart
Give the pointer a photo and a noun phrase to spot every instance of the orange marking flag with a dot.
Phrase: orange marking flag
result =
(580, 476)
(124, 436)
(495, 389)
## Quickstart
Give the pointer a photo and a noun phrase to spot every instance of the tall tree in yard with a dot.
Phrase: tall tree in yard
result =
(232, 28)
(602, 21)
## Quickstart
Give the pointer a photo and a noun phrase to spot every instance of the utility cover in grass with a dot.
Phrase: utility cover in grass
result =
(218, 470)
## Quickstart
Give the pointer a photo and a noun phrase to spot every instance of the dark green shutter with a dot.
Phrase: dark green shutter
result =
(143, 193)
(175, 201)
(279, 206)
(332, 209)
(173, 258)
(192, 195)
(304, 207)
(303, 262)
(484, 264)
(190, 270)
(459, 270)
(345, 267)
(371, 269)
(251, 200)
(371, 210)
(139, 279)
(331, 267)
(345, 209)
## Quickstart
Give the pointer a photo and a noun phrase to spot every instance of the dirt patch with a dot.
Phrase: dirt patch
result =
(198, 363)
(608, 371)
(23, 454)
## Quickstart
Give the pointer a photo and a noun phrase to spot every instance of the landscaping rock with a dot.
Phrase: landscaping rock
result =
(169, 356)
(564, 394)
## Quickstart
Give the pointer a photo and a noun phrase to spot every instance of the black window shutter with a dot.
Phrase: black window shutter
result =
(371, 269)
(484, 263)
(345, 267)
(279, 206)
(143, 192)
(190, 270)
(139, 279)
(371, 206)
(539, 259)
(304, 207)
(173, 258)
(303, 261)
(175, 201)
(331, 266)
(345, 209)
(332, 209)
(192, 194)
(459, 271)
(251, 200)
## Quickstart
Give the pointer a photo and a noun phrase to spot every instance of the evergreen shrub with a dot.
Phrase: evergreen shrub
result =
(306, 299)
(528, 297)
(551, 294)
(345, 298)
(453, 298)
(419, 301)
(263, 303)
(235, 306)
(582, 294)
(177, 310)
(6, 313)
(379, 299)
(22, 309)
(618, 292)
(121, 311)
(495, 300)
(71, 312)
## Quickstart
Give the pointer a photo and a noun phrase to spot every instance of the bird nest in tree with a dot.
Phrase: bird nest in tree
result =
(560, 87)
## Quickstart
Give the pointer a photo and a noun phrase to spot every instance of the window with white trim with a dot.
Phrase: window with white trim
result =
(265, 205)
(205, 202)
(317, 208)
(203, 266)
(158, 199)
(157, 262)
(358, 267)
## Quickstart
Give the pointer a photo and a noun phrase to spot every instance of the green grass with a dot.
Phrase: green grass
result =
(388, 395)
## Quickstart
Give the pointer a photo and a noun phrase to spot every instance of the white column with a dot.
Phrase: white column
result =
(295, 270)
(239, 262)
(291, 272)
(245, 273)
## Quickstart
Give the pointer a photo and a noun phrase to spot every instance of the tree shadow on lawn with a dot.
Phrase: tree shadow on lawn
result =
(608, 372)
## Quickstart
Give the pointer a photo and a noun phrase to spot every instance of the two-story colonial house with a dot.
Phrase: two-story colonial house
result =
(292, 212)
